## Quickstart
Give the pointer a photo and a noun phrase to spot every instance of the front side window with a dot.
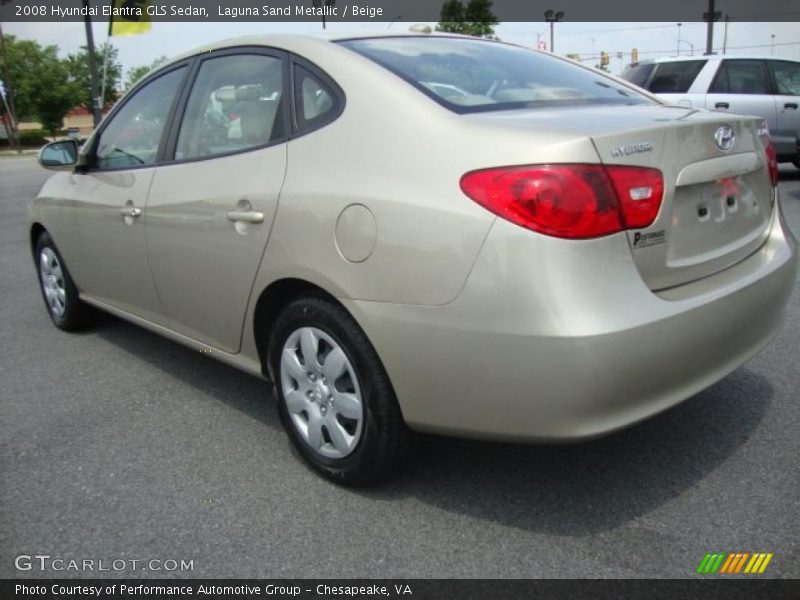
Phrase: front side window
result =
(476, 75)
(675, 77)
(132, 137)
(638, 74)
(741, 77)
(787, 77)
(235, 105)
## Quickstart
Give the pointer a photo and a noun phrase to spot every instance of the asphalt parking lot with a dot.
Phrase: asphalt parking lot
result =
(118, 444)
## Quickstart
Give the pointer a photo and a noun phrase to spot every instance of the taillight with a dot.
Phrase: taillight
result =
(575, 201)
(772, 155)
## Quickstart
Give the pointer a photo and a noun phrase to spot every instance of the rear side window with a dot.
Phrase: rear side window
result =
(316, 103)
(675, 77)
(235, 105)
(475, 75)
(787, 77)
(741, 77)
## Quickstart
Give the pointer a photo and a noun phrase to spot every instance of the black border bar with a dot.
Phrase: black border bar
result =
(734, 588)
(409, 10)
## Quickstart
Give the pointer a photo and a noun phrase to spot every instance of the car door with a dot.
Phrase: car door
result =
(210, 209)
(786, 134)
(103, 214)
(743, 87)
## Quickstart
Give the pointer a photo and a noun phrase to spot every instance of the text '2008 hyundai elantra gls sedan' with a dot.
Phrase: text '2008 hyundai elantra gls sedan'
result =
(422, 233)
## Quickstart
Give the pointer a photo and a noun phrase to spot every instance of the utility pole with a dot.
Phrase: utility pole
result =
(552, 17)
(10, 123)
(97, 102)
(709, 17)
(725, 37)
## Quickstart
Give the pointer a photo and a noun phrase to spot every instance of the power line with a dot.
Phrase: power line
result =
(672, 25)
(583, 56)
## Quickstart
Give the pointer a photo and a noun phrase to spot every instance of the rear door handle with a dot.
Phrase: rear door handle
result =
(130, 211)
(722, 105)
(248, 216)
(792, 105)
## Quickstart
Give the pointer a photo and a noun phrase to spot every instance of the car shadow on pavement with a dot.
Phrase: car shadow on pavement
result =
(582, 489)
(238, 390)
(571, 489)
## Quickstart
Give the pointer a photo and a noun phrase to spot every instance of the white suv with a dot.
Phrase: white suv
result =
(768, 87)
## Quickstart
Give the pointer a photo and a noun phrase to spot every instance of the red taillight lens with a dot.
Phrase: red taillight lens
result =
(569, 201)
(772, 163)
(639, 191)
(772, 155)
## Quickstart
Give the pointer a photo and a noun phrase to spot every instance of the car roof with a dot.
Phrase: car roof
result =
(294, 42)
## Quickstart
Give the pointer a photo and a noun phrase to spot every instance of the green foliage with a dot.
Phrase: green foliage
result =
(477, 19)
(78, 67)
(35, 137)
(136, 73)
(42, 85)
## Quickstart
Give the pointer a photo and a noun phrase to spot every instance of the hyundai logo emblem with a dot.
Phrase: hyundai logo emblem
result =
(724, 137)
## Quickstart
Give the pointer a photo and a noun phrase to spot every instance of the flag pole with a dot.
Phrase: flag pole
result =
(105, 68)
(92, 64)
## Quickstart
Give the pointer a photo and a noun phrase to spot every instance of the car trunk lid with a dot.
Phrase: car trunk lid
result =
(717, 202)
(717, 195)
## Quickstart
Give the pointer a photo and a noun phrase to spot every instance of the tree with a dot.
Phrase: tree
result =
(476, 19)
(136, 73)
(78, 66)
(43, 88)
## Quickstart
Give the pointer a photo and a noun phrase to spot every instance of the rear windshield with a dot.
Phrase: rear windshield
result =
(475, 75)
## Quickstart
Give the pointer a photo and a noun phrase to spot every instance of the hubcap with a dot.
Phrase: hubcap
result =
(322, 392)
(52, 282)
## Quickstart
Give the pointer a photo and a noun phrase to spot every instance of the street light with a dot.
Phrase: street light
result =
(691, 46)
(551, 17)
(772, 47)
(679, 39)
(397, 18)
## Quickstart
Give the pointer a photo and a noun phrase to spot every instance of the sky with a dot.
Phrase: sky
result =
(587, 39)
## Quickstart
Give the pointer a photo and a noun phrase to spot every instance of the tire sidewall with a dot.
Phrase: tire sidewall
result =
(311, 313)
(71, 292)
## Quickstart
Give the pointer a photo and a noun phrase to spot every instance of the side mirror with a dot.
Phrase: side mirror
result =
(59, 156)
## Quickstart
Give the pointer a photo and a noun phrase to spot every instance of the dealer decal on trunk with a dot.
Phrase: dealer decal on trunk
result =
(652, 238)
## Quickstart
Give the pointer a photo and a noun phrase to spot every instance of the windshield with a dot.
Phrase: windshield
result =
(478, 75)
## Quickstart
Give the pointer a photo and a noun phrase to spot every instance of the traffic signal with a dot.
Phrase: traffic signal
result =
(634, 56)
(604, 60)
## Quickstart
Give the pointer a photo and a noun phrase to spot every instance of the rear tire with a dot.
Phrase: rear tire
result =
(797, 163)
(66, 309)
(335, 399)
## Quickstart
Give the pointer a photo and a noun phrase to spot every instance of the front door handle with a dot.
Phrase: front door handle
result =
(722, 105)
(247, 216)
(130, 211)
(792, 105)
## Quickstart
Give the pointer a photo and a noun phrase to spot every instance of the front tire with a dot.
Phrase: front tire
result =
(60, 295)
(334, 397)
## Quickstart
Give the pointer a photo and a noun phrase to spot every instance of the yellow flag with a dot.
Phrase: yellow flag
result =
(129, 17)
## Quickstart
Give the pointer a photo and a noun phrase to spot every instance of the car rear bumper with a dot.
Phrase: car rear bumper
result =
(572, 344)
